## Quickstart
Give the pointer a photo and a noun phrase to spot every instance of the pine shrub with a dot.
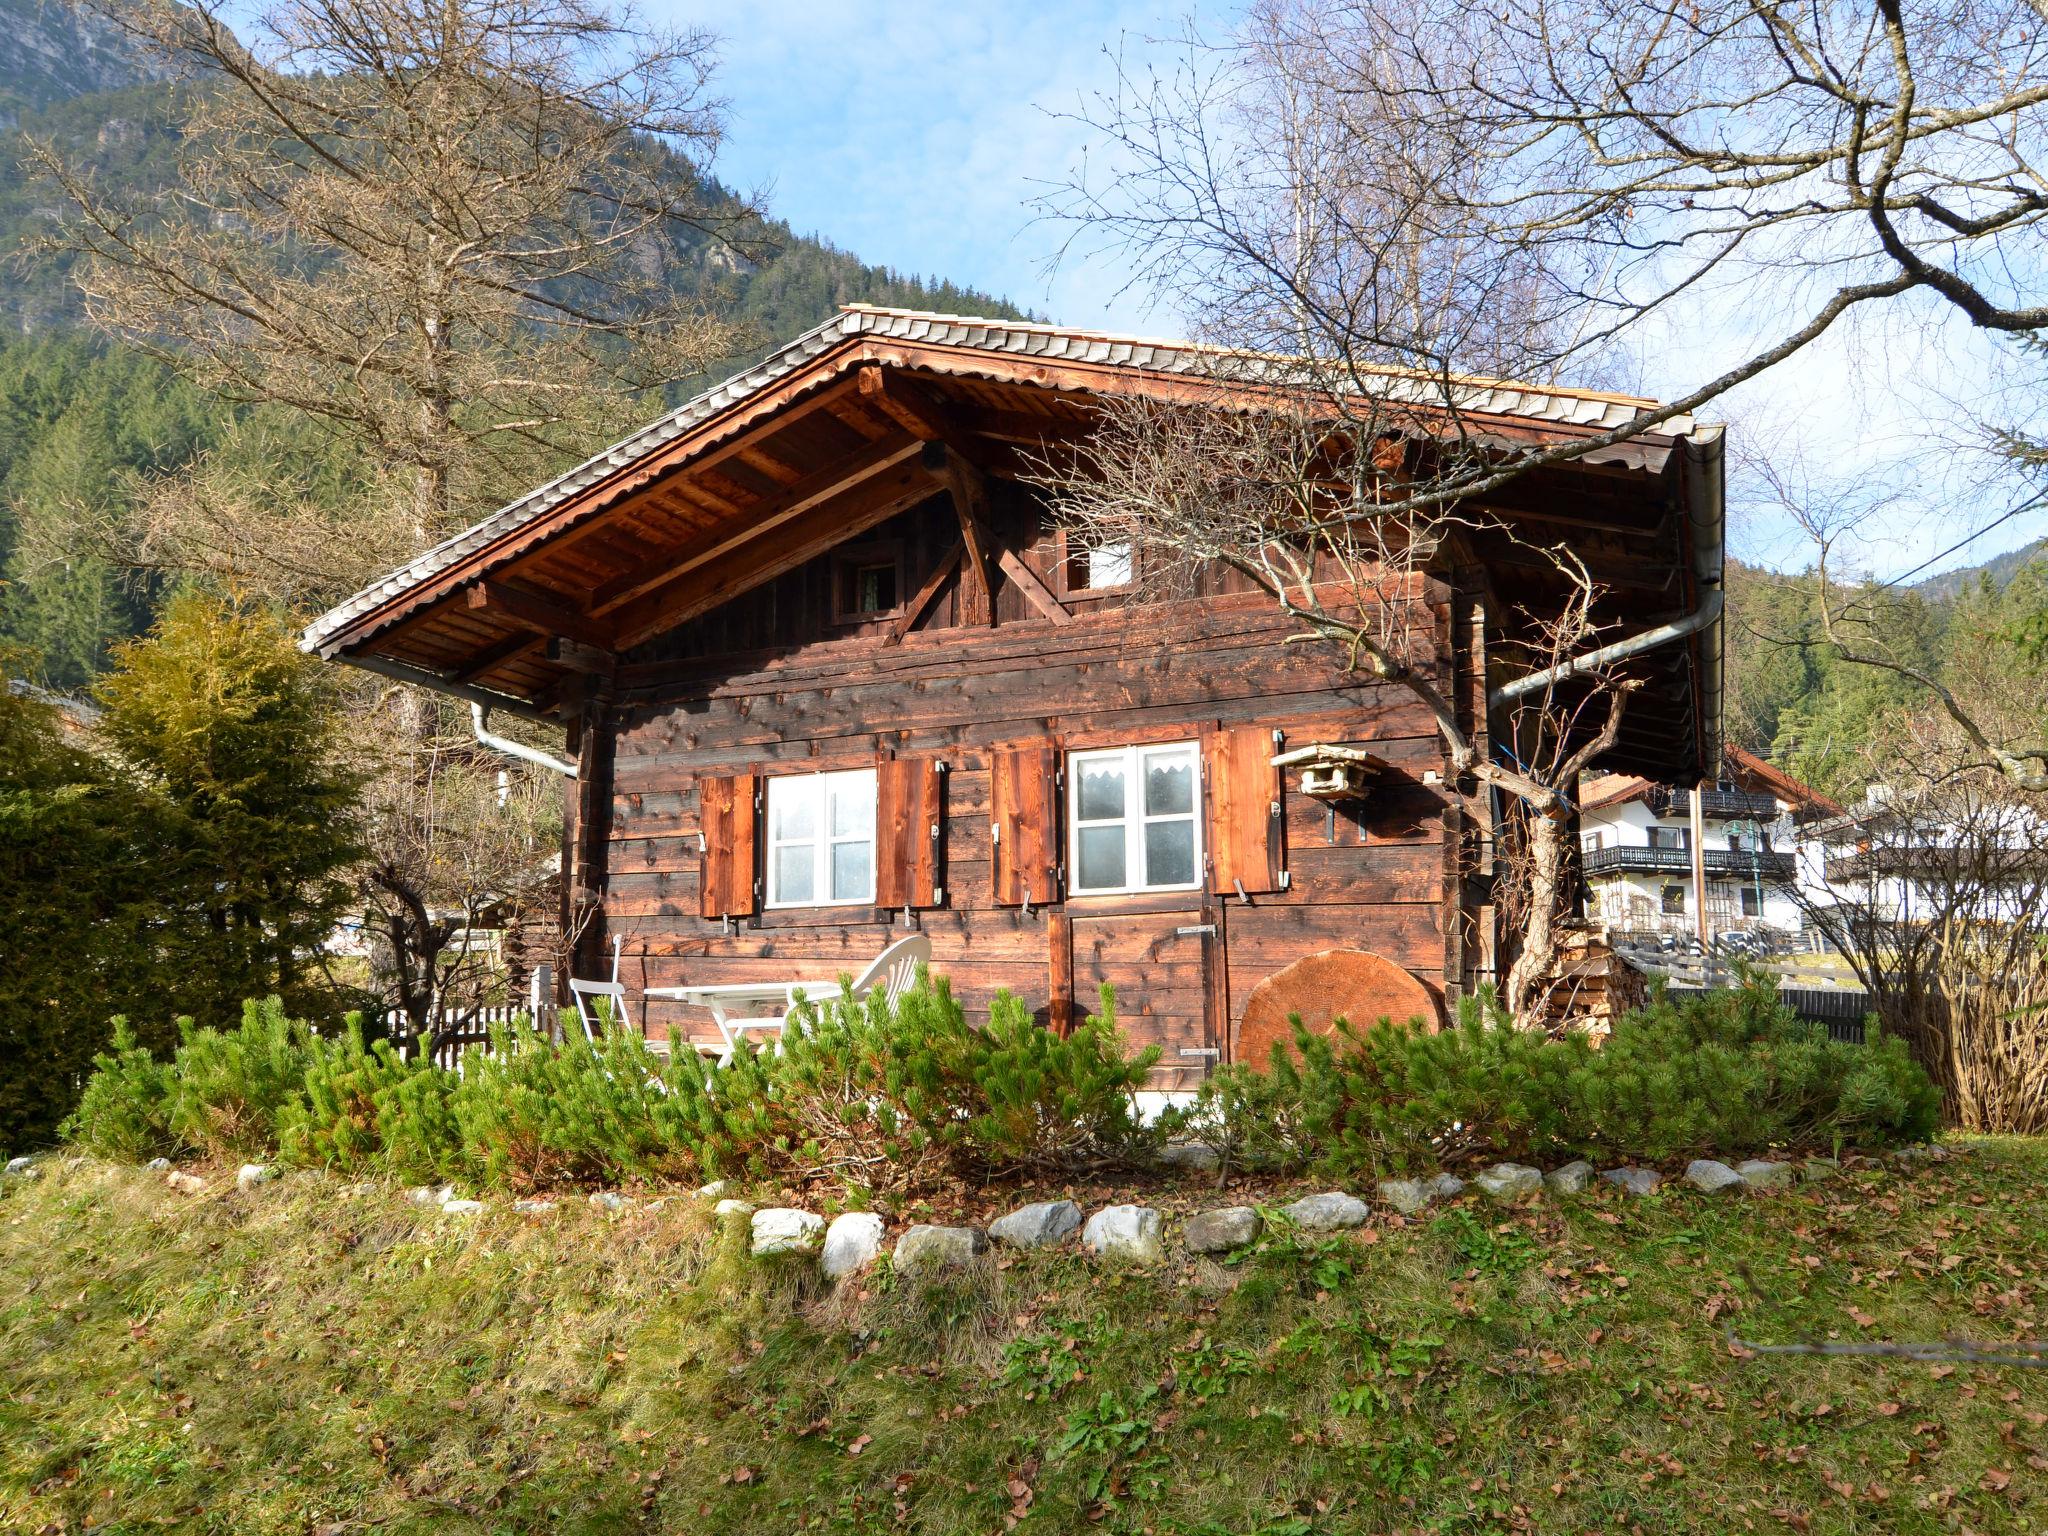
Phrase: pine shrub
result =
(365, 1109)
(1727, 1073)
(531, 1114)
(229, 1086)
(125, 1110)
(1047, 1103)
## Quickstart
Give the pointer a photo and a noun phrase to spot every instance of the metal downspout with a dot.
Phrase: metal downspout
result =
(479, 719)
(1705, 492)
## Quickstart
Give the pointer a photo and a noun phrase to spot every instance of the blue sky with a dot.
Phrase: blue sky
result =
(916, 135)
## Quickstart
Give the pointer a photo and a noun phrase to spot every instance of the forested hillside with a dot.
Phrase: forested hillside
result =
(81, 417)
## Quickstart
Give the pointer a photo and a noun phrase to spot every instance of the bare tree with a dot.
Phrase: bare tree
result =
(458, 236)
(1935, 888)
(1280, 495)
(450, 229)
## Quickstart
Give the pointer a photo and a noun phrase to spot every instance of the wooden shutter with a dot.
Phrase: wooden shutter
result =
(1024, 820)
(726, 814)
(908, 828)
(1247, 829)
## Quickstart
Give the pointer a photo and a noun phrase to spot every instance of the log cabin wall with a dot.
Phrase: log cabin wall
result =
(794, 677)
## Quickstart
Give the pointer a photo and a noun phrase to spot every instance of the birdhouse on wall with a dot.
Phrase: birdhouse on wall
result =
(1332, 773)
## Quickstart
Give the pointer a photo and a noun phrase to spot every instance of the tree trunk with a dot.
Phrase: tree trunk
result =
(1546, 895)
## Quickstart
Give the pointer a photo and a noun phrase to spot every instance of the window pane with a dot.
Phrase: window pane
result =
(1170, 853)
(853, 806)
(1101, 862)
(1169, 784)
(1102, 792)
(793, 871)
(1109, 566)
(792, 803)
(852, 871)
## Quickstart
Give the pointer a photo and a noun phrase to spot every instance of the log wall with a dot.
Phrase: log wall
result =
(772, 684)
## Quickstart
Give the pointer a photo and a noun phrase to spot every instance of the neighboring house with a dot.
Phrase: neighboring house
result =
(1925, 856)
(830, 670)
(1636, 848)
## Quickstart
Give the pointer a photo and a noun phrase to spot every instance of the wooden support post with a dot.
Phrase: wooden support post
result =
(969, 492)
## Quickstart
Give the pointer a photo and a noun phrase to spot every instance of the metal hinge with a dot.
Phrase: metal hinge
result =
(1196, 930)
(1209, 1051)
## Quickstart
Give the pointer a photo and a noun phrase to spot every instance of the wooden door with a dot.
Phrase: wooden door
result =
(1166, 966)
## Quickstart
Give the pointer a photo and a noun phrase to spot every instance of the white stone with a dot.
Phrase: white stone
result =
(715, 1190)
(1410, 1197)
(249, 1175)
(533, 1207)
(610, 1201)
(1815, 1169)
(1635, 1181)
(21, 1167)
(852, 1243)
(1195, 1155)
(1446, 1186)
(927, 1247)
(426, 1194)
(1705, 1173)
(185, 1183)
(1327, 1212)
(726, 1208)
(783, 1229)
(1761, 1173)
(462, 1207)
(1034, 1226)
(1223, 1230)
(158, 1165)
(1510, 1181)
(1125, 1233)
(1571, 1179)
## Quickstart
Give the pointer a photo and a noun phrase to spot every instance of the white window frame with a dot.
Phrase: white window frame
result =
(825, 786)
(1134, 820)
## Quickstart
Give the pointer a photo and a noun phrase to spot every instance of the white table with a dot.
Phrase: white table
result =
(739, 1008)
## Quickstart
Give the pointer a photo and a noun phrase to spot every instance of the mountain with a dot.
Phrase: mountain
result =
(2000, 570)
(82, 418)
(53, 50)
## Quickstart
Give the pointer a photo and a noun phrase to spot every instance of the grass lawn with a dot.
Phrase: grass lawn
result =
(291, 1359)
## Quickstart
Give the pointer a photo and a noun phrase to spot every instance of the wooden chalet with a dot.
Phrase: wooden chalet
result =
(829, 670)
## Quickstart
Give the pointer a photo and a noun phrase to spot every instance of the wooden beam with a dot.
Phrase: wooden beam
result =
(596, 661)
(969, 492)
(875, 460)
(1019, 570)
(759, 560)
(517, 643)
(537, 611)
(915, 608)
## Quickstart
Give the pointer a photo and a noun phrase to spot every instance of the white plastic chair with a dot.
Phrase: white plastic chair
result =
(891, 973)
(586, 994)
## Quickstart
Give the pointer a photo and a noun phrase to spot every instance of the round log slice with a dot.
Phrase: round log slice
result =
(1338, 983)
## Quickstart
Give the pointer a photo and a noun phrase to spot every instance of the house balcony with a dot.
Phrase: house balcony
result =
(1721, 863)
(1715, 804)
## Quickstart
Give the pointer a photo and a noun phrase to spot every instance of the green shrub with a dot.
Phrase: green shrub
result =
(125, 1110)
(1048, 1103)
(1728, 1072)
(893, 1096)
(532, 1114)
(229, 1086)
(365, 1109)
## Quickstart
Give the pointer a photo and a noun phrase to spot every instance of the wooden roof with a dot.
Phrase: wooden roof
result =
(862, 418)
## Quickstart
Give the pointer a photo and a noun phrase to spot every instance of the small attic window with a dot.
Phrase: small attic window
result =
(1106, 566)
(1096, 569)
(867, 584)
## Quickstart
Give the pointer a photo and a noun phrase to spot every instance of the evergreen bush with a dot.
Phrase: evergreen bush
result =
(125, 1110)
(229, 1087)
(1726, 1073)
(364, 1109)
(531, 1114)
